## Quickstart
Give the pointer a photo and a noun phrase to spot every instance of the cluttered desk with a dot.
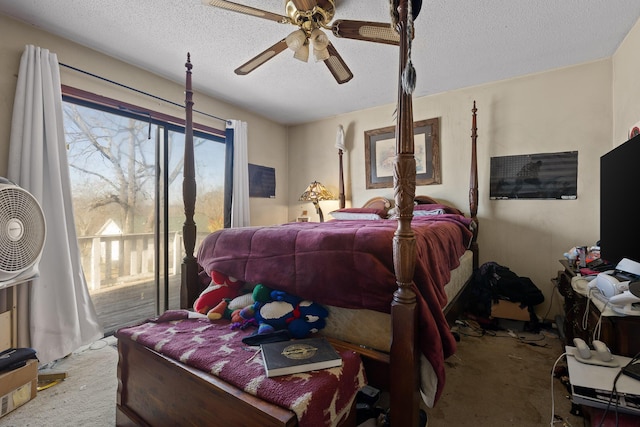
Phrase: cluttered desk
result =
(598, 307)
(615, 291)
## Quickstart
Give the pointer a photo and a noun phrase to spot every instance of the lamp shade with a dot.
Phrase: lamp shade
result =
(316, 192)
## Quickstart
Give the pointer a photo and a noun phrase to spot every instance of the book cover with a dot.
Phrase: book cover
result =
(294, 356)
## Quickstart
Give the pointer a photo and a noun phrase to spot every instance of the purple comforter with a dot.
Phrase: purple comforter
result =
(348, 264)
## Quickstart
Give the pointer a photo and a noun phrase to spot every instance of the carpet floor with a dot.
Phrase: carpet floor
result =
(495, 379)
(87, 397)
(500, 379)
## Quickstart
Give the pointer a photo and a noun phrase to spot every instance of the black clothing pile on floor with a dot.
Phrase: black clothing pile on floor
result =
(492, 282)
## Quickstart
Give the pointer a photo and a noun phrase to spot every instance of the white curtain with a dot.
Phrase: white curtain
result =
(240, 198)
(61, 315)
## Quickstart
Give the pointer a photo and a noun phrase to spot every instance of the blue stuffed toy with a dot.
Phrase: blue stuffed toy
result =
(284, 311)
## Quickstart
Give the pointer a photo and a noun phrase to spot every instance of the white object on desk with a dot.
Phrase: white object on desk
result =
(624, 303)
(582, 348)
(584, 354)
(602, 351)
(609, 285)
(591, 385)
(582, 287)
(629, 266)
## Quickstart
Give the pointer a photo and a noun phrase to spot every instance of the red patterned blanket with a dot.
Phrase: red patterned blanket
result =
(319, 398)
(349, 264)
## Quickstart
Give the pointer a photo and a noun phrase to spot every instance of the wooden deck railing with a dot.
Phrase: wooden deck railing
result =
(115, 259)
(120, 273)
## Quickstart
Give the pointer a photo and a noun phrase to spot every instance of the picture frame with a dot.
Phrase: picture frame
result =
(379, 147)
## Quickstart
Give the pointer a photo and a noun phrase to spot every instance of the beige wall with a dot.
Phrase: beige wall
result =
(267, 140)
(626, 86)
(563, 110)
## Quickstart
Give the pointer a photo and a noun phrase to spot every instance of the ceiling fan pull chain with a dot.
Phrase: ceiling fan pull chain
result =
(409, 72)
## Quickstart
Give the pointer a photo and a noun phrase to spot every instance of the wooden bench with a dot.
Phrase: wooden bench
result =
(212, 402)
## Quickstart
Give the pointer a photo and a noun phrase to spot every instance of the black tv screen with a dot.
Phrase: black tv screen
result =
(619, 179)
(535, 176)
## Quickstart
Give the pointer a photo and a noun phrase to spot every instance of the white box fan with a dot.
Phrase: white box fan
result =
(22, 234)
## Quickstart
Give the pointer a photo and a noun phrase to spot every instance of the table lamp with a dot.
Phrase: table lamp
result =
(314, 193)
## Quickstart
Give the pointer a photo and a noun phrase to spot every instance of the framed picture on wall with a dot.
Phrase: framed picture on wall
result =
(380, 149)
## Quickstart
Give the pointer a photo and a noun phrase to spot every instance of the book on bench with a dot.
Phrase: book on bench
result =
(295, 356)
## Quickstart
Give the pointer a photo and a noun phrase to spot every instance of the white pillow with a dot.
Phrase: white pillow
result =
(428, 213)
(354, 216)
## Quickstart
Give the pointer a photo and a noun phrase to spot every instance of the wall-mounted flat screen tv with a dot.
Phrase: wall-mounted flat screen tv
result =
(535, 176)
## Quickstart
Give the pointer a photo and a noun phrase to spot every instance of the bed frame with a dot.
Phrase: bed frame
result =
(147, 381)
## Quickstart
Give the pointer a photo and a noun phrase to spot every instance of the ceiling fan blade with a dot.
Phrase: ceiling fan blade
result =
(304, 5)
(325, 4)
(235, 7)
(377, 32)
(337, 66)
(261, 58)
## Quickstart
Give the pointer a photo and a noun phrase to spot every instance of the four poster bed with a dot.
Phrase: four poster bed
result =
(389, 286)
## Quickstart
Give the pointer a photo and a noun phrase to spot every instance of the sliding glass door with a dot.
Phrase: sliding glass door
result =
(126, 179)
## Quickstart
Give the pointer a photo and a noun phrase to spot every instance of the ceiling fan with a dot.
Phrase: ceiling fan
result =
(311, 17)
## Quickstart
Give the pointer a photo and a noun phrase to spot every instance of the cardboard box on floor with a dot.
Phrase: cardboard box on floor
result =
(504, 309)
(18, 386)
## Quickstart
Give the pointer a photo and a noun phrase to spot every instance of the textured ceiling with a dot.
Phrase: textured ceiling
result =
(459, 43)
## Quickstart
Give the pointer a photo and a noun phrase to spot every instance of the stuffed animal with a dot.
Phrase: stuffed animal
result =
(239, 309)
(271, 311)
(284, 311)
(221, 287)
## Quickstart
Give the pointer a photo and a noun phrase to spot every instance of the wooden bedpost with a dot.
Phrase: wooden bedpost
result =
(404, 389)
(473, 185)
(189, 263)
(341, 196)
(340, 146)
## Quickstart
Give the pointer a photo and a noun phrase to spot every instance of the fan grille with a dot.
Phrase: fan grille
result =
(22, 229)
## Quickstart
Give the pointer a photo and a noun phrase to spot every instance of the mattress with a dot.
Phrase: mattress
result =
(371, 328)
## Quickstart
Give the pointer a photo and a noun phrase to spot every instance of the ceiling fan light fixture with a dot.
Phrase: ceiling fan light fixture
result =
(321, 55)
(320, 42)
(302, 53)
(319, 39)
(296, 40)
(311, 17)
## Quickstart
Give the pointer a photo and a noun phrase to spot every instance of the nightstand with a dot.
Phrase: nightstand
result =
(620, 333)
